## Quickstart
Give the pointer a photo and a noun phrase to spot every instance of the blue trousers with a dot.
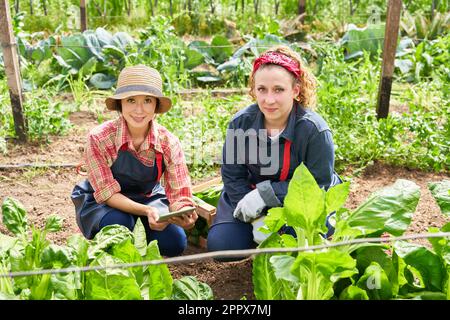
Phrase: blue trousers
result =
(172, 240)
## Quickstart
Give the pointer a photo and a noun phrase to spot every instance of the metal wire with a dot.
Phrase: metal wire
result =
(37, 165)
(223, 254)
(204, 46)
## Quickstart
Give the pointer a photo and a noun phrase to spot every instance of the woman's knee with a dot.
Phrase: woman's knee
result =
(230, 236)
(172, 241)
(118, 217)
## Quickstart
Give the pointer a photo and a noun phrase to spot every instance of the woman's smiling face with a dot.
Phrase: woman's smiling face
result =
(139, 110)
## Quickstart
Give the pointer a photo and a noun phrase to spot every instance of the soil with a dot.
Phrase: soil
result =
(47, 191)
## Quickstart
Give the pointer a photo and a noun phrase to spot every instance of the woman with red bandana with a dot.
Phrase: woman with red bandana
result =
(265, 143)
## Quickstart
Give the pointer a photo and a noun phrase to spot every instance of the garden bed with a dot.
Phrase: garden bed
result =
(47, 191)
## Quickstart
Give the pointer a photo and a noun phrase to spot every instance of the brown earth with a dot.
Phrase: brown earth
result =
(47, 191)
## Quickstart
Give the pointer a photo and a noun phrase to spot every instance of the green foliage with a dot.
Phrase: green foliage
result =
(113, 245)
(14, 216)
(198, 23)
(441, 193)
(360, 271)
(347, 99)
(428, 61)
(420, 27)
(189, 288)
(388, 210)
(357, 40)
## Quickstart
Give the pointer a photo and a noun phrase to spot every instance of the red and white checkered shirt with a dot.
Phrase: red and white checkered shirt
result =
(104, 143)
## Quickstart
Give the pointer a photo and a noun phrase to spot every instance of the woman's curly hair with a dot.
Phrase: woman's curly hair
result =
(307, 81)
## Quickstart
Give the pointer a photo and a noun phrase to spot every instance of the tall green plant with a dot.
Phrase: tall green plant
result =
(358, 271)
(111, 246)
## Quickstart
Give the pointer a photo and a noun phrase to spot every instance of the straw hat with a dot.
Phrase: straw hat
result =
(139, 80)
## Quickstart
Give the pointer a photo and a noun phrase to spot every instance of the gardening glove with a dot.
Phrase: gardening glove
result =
(250, 207)
(258, 236)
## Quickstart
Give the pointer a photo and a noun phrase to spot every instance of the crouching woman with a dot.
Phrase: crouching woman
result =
(125, 160)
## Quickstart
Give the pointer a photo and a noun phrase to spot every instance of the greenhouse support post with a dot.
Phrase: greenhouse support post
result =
(11, 61)
(390, 46)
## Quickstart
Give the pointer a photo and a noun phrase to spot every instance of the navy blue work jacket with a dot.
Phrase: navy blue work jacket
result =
(311, 143)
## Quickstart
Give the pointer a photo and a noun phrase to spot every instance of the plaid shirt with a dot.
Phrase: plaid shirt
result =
(104, 142)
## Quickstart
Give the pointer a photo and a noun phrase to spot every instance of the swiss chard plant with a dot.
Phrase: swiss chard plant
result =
(29, 250)
(401, 270)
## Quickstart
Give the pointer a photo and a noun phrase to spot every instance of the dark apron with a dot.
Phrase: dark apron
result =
(225, 208)
(137, 182)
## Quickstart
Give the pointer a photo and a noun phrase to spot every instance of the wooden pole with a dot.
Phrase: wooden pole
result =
(83, 16)
(390, 46)
(11, 60)
(301, 10)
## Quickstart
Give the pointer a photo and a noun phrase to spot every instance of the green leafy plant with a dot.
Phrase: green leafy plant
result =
(419, 27)
(357, 40)
(111, 246)
(354, 271)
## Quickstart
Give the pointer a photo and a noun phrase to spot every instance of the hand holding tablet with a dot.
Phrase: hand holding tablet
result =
(184, 211)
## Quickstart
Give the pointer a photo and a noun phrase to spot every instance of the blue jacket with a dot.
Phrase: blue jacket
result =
(311, 143)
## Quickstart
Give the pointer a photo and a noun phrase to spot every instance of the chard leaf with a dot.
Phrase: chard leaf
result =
(6, 284)
(275, 219)
(375, 282)
(14, 216)
(41, 288)
(7, 242)
(366, 255)
(128, 253)
(111, 284)
(189, 288)
(289, 282)
(80, 246)
(426, 262)
(65, 286)
(441, 193)
(282, 266)
(387, 210)
(8, 296)
(160, 279)
(265, 283)
(140, 237)
(304, 203)
(353, 293)
(336, 196)
(54, 256)
(107, 238)
(318, 271)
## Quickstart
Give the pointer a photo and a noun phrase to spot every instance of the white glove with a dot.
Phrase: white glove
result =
(258, 236)
(250, 207)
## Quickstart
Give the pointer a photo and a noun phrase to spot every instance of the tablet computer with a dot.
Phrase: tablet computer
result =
(166, 215)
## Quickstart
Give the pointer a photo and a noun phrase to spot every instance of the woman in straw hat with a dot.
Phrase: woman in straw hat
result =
(125, 160)
(285, 133)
